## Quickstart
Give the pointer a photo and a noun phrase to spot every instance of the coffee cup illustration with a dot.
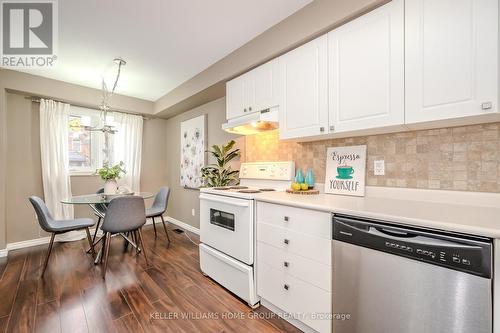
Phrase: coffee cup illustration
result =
(345, 172)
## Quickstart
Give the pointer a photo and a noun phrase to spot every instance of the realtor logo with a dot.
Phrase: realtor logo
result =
(29, 33)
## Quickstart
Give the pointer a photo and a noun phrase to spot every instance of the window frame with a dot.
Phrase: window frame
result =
(95, 145)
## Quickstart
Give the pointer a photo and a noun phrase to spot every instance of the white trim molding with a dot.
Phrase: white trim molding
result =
(45, 240)
(178, 223)
(183, 225)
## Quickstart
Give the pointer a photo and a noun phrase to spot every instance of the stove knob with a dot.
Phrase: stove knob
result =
(286, 287)
(286, 241)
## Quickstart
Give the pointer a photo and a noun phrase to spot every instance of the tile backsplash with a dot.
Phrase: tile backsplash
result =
(460, 158)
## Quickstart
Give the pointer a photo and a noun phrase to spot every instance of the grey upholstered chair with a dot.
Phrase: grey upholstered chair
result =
(124, 214)
(48, 224)
(159, 207)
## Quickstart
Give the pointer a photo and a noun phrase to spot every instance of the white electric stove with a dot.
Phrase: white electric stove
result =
(227, 225)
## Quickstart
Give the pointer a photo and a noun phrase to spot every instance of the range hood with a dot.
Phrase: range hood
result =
(265, 120)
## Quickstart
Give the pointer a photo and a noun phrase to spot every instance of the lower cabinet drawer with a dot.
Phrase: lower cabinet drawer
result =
(303, 301)
(297, 266)
(314, 248)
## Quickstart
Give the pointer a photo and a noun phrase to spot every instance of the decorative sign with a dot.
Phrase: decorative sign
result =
(193, 146)
(345, 170)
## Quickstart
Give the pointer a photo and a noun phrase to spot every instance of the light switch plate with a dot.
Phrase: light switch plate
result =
(379, 168)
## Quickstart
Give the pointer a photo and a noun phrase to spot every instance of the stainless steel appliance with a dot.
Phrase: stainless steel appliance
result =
(392, 279)
(227, 225)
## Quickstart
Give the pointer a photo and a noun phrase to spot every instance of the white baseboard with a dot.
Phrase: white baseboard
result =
(178, 223)
(183, 225)
(46, 240)
(27, 243)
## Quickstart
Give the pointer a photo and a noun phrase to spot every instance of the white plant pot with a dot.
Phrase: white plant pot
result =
(110, 186)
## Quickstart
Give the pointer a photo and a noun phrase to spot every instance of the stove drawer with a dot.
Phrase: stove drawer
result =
(305, 221)
(313, 272)
(290, 241)
(301, 300)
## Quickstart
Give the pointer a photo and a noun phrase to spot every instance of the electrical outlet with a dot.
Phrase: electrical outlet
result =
(193, 212)
(379, 168)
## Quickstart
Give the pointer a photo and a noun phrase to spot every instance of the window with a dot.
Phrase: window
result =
(86, 146)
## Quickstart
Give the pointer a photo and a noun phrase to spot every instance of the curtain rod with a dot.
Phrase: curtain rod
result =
(36, 99)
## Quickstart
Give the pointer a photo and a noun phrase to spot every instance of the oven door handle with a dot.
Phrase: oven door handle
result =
(225, 201)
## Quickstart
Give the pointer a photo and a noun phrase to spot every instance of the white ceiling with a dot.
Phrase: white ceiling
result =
(165, 42)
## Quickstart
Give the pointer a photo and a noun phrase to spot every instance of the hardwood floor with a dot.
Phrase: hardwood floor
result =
(169, 295)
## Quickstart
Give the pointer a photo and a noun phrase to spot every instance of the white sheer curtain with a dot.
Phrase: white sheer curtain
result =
(128, 148)
(54, 117)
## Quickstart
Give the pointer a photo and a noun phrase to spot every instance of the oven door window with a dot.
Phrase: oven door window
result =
(222, 219)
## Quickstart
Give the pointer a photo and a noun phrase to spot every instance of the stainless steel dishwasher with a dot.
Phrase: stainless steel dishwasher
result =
(393, 279)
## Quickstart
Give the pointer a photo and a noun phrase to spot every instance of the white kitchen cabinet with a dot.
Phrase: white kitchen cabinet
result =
(451, 58)
(266, 85)
(239, 96)
(304, 90)
(366, 71)
(254, 91)
(294, 262)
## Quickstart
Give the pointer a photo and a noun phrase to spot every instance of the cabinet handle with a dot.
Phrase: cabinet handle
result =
(486, 105)
(286, 219)
(321, 129)
(286, 287)
(332, 128)
(286, 241)
(286, 264)
(244, 110)
(250, 108)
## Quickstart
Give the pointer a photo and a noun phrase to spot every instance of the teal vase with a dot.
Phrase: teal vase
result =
(299, 177)
(310, 179)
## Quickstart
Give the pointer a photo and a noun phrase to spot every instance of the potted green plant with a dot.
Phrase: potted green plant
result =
(220, 173)
(110, 175)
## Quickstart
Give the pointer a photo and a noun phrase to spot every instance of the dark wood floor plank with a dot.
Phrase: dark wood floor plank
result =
(97, 310)
(22, 318)
(3, 323)
(9, 284)
(134, 297)
(127, 324)
(145, 312)
(47, 318)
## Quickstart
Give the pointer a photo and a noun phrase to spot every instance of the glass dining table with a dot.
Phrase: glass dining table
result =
(95, 199)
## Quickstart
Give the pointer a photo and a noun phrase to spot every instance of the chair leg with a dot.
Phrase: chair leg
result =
(96, 229)
(154, 225)
(49, 250)
(165, 228)
(136, 240)
(95, 235)
(106, 254)
(143, 248)
(125, 244)
(91, 243)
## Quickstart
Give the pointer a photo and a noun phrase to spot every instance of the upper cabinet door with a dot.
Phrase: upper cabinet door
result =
(304, 90)
(366, 70)
(451, 58)
(266, 85)
(254, 91)
(235, 97)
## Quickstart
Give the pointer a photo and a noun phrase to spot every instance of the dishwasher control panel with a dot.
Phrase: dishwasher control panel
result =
(468, 254)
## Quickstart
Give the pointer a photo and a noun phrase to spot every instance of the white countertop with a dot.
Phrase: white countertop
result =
(458, 212)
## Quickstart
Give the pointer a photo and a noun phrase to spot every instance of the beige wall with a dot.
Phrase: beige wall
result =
(182, 201)
(311, 21)
(23, 167)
